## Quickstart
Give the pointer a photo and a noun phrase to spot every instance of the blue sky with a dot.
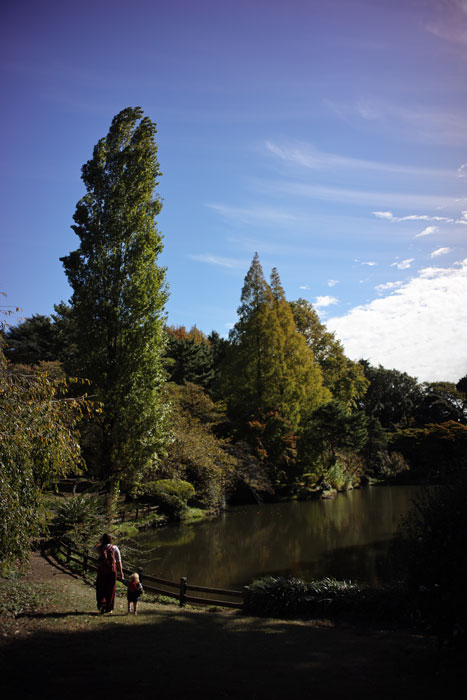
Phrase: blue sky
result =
(330, 137)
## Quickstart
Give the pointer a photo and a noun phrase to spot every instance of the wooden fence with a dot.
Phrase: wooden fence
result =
(134, 513)
(181, 591)
(80, 485)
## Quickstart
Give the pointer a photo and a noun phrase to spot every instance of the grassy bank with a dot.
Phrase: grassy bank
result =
(54, 632)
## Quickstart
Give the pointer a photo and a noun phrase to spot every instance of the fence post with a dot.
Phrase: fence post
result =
(85, 561)
(182, 591)
(140, 573)
(244, 595)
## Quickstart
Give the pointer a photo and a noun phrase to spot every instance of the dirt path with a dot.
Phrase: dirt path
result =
(67, 650)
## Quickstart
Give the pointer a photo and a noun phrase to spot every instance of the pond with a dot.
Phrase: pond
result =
(347, 537)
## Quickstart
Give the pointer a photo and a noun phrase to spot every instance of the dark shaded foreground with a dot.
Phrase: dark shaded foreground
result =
(169, 654)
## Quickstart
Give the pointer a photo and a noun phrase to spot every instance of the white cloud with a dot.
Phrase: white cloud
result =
(388, 216)
(403, 264)
(322, 302)
(308, 156)
(462, 170)
(427, 231)
(440, 251)
(388, 285)
(425, 217)
(332, 283)
(463, 219)
(362, 197)
(384, 215)
(304, 286)
(370, 263)
(415, 122)
(232, 263)
(450, 22)
(421, 329)
(268, 215)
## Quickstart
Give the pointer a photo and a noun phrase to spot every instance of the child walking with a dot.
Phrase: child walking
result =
(135, 589)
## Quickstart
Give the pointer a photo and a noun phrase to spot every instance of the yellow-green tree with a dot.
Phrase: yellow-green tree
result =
(345, 379)
(270, 377)
(300, 388)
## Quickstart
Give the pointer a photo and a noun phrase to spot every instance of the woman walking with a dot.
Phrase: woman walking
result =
(110, 561)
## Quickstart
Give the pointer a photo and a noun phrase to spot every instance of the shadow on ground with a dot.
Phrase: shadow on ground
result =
(170, 654)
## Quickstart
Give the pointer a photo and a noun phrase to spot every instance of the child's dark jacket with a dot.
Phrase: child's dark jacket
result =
(134, 590)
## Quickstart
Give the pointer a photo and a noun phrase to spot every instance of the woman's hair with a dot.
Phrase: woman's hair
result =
(135, 578)
(106, 539)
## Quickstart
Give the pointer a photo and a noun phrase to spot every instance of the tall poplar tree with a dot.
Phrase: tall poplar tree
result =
(119, 293)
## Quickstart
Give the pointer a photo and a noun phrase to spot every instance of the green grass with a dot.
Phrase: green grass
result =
(195, 514)
(18, 597)
(198, 654)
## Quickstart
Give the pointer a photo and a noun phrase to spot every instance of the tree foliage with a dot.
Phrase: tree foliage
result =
(270, 378)
(119, 293)
(80, 521)
(31, 341)
(392, 396)
(345, 379)
(190, 356)
(38, 445)
(332, 429)
(440, 402)
(196, 453)
(41, 339)
(171, 495)
(461, 386)
(269, 368)
(431, 556)
(436, 452)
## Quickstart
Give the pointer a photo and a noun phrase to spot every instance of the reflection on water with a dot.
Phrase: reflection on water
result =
(347, 537)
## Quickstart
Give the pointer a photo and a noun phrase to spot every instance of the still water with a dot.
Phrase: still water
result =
(347, 537)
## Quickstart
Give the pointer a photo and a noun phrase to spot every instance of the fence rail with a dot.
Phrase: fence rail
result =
(134, 513)
(181, 591)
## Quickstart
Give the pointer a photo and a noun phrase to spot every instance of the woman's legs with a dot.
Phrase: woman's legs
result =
(105, 591)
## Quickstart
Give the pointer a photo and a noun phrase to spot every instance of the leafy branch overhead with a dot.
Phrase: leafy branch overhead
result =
(38, 445)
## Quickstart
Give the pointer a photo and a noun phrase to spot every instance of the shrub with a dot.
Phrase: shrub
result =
(431, 551)
(197, 454)
(325, 598)
(387, 465)
(79, 521)
(337, 476)
(309, 479)
(171, 495)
